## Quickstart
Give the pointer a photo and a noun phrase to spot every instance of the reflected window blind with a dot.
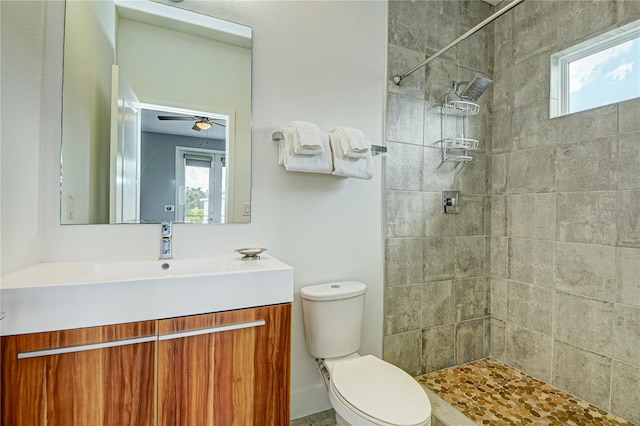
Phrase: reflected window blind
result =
(197, 161)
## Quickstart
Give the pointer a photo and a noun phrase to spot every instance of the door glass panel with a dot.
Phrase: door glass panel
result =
(200, 180)
(197, 189)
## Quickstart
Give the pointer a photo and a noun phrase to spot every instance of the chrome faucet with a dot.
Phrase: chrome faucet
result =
(165, 241)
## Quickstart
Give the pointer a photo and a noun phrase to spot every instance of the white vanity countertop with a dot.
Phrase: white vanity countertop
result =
(57, 296)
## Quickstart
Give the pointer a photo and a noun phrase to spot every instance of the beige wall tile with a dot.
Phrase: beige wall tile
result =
(438, 306)
(587, 217)
(404, 351)
(588, 125)
(626, 334)
(532, 170)
(629, 111)
(499, 252)
(587, 166)
(529, 351)
(498, 339)
(582, 373)
(404, 216)
(531, 81)
(405, 119)
(498, 216)
(471, 297)
(435, 222)
(586, 269)
(469, 257)
(469, 340)
(628, 276)
(438, 348)
(530, 306)
(403, 260)
(437, 176)
(625, 391)
(403, 166)
(397, 59)
(530, 261)
(628, 218)
(629, 160)
(531, 216)
(402, 306)
(499, 292)
(532, 127)
(406, 25)
(439, 259)
(583, 322)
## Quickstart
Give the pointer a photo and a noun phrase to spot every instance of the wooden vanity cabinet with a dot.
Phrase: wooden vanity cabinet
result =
(88, 385)
(225, 368)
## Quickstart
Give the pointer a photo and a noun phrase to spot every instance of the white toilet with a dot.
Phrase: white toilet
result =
(363, 390)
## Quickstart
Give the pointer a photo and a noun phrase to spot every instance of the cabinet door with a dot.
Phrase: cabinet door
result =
(227, 368)
(90, 376)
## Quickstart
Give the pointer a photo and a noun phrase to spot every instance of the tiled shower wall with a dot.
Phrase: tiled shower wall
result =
(542, 268)
(565, 217)
(436, 285)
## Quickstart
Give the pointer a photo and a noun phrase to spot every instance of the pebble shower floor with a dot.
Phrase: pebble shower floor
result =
(492, 393)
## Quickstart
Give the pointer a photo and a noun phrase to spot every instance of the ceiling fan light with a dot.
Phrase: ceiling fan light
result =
(202, 125)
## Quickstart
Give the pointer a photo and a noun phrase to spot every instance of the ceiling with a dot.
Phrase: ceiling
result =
(150, 123)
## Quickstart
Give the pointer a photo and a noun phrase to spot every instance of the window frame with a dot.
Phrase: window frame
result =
(560, 61)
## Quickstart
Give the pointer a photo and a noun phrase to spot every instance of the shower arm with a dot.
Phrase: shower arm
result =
(398, 78)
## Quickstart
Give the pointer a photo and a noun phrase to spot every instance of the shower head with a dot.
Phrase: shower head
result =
(475, 88)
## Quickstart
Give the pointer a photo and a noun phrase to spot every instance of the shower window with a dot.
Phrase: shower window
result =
(600, 71)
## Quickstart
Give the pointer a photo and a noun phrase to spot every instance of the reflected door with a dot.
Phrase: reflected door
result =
(200, 179)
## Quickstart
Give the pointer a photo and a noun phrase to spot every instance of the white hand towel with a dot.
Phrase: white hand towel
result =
(361, 168)
(307, 138)
(354, 143)
(320, 163)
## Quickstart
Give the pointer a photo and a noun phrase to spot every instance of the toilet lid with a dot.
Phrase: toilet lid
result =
(381, 390)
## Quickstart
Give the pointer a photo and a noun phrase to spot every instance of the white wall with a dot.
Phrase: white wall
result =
(22, 73)
(320, 61)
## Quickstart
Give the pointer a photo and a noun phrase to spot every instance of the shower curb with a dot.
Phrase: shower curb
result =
(443, 413)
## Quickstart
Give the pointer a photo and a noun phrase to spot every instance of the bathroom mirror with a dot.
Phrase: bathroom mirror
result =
(156, 115)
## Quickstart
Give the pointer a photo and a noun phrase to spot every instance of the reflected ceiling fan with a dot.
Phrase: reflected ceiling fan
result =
(201, 122)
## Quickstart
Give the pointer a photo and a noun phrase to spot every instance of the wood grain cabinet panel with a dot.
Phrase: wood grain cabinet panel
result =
(234, 371)
(111, 386)
(223, 369)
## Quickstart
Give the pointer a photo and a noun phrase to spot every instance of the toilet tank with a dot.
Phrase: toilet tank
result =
(333, 318)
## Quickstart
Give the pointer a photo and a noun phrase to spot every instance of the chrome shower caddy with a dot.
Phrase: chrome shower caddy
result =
(455, 144)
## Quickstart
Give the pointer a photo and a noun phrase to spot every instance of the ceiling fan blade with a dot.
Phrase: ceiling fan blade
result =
(170, 117)
(196, 128)
(218, 124)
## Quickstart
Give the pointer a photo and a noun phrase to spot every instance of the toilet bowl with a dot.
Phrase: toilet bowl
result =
(363, 390)
(366, 391)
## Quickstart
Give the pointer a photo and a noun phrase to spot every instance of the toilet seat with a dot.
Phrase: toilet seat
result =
(380, 392)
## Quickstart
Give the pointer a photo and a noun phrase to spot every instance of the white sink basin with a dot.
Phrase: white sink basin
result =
(55, 296)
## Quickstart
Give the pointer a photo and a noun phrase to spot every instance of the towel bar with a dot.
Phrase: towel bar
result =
(375, 149)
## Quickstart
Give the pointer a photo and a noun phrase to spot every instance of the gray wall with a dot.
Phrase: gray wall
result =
(560, 203)
(436, 287)
(158, 171)
(565, 292)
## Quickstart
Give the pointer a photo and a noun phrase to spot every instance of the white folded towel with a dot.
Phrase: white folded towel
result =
(307, 138)
(354, 143)
(361, 168)
(320, 163)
